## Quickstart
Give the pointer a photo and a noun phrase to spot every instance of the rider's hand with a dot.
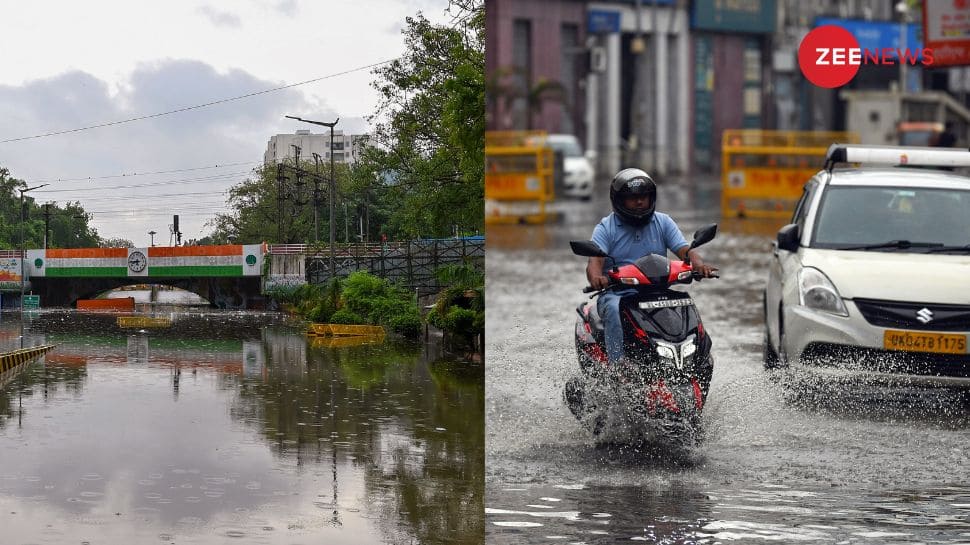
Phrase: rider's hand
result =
(706, 271)
(600, 282)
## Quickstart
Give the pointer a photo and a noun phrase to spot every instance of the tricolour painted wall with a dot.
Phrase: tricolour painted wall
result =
(230, 260)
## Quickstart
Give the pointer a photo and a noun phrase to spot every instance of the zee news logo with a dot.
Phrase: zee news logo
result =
(829, 56)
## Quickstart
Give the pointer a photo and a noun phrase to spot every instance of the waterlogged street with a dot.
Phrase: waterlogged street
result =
(234, 427)
(777, 464)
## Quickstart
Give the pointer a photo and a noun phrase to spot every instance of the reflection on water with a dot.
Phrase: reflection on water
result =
(761, 514)
(247, 431)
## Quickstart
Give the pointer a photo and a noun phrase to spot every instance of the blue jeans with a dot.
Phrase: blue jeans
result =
(608, 305)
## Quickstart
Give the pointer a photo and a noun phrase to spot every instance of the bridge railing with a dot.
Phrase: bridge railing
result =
(411, 263)
(10, 254)
(344, 250)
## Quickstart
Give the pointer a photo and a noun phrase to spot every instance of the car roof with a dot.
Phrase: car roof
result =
(898, 177)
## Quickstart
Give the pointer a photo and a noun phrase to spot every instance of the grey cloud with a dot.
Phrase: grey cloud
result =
(234, 131)
(287, 7)
(220, 18)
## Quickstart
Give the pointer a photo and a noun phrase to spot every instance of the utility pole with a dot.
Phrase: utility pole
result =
(316, 197)
(47, 223)
(280, 176)
(23, 243)
(332, 186)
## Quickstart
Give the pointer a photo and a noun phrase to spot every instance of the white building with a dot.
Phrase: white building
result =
(346, 147)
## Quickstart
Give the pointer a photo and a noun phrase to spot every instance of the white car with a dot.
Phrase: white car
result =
(872, 277)
(578, 170)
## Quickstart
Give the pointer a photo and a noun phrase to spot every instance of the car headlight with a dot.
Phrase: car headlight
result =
(816, 291)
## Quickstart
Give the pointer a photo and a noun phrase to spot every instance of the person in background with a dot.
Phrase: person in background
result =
(947, 138)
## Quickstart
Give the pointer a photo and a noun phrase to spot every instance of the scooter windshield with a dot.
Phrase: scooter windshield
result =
(655, 267)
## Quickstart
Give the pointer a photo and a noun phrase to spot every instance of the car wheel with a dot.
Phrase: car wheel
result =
(768, 354)
(782, 353)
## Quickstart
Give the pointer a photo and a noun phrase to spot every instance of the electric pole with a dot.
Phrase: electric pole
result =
(316, 197)
(332, 191)
(47, 223)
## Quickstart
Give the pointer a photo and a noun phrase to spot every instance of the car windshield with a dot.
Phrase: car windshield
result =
(895, 218)
(568, 146)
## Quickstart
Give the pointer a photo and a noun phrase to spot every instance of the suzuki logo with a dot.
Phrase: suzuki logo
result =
(924, 315)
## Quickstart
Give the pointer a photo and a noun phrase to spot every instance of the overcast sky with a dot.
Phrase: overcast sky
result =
(69, 64)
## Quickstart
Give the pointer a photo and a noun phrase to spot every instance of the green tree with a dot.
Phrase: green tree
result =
(430, 126)
(255, 205)
(68, 225)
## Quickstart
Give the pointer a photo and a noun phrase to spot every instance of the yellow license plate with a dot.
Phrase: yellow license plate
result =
(915, 341)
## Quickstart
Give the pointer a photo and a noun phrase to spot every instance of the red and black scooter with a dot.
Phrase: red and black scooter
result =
(660, 389)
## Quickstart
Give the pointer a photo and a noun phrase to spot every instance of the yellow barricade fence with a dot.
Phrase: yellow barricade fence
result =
(338, 330)
(11, 360)
(519, 177)
(143, 321)
(763, 172)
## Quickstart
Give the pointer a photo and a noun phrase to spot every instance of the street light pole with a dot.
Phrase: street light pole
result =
(152, 234)
(332, 185)
(23, 243)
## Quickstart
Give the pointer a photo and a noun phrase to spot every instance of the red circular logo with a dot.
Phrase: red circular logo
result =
(829, 56)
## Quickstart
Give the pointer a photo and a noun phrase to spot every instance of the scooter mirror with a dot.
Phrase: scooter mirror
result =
(704, 235)
(586, 248)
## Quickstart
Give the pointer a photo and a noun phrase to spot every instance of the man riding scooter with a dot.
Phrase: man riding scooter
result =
(632, 230)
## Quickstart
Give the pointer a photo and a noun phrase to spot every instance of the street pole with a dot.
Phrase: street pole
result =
(23, 243)
(152, 234)
(333, 272)
(47, 222)
(333, 190)
(316, 197)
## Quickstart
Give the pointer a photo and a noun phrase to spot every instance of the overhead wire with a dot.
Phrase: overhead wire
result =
(130, 174)
(214, 177)
(197, 106)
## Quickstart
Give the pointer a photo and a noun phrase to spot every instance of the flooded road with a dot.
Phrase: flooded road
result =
(776, 465)
(233, 427)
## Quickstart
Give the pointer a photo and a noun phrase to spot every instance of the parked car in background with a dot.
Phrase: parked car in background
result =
(577, 167)
(873, 274)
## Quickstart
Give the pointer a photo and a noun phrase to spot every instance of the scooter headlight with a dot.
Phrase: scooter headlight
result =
(688, 349)
(666, 352)
(816, 291)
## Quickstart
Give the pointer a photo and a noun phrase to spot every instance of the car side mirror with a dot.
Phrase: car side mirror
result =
(590, 155)
(788, 237)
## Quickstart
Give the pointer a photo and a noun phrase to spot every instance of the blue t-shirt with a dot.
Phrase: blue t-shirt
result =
(627, 243)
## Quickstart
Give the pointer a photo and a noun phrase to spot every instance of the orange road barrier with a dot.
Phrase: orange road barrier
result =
(122, 304)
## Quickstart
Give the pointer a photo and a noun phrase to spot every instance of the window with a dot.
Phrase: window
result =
(569, 71)
(522, 74)
(862, 215)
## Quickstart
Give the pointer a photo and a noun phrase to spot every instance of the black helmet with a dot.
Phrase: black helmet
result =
(629, 182)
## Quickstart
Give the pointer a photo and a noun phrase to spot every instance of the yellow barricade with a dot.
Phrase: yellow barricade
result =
(143, 322)
(343, 342)
(339, 330)
(763, 172)
(12, 360)
(519, 177)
